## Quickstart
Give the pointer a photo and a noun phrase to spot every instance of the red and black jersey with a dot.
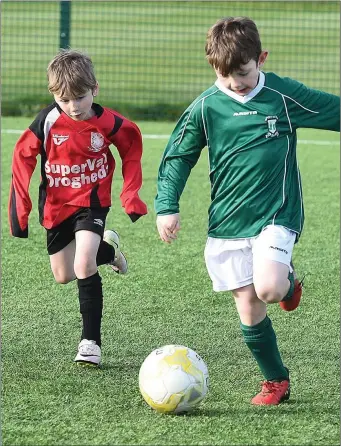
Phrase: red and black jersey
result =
(76, 166)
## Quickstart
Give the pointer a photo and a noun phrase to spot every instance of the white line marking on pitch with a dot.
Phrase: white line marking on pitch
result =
(147, 136)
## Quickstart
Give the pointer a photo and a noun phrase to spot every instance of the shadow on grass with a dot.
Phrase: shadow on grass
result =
(120, 366)
(288, 407)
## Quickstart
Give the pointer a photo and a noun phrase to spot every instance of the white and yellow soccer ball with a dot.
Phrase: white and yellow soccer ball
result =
(173, 379)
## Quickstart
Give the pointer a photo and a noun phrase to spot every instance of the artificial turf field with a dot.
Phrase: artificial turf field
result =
(167, 298)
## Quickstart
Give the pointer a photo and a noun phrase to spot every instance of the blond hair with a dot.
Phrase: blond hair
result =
(71, 73)
(232, 42)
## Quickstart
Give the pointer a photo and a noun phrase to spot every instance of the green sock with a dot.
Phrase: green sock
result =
(291, 288)
(261, 340)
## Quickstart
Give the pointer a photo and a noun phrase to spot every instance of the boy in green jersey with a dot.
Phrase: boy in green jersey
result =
(248, 121)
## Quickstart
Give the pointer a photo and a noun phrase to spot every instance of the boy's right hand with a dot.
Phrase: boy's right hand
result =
(168, 226)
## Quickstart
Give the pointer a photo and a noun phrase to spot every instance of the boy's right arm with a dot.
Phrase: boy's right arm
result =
(180, 156)
(24, 161)
(168, 226)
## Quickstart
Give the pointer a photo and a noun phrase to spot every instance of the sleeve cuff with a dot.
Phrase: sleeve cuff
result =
(20, 233)
(134, 217)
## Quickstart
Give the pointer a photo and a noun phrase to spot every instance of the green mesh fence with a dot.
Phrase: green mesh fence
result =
(149, 55)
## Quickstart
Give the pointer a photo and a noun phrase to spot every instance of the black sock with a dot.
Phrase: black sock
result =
(91, 305)
(105, 254)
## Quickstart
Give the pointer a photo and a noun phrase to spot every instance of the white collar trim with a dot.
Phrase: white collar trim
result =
(249, 96)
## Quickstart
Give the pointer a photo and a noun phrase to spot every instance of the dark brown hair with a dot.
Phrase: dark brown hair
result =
(232, 42)
(71, 73)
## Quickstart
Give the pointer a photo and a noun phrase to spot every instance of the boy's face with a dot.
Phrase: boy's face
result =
(244, 80)
(79, 108)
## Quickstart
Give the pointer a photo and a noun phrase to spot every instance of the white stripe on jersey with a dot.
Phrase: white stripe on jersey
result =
(189, 115)
(203, 123)
(286, 111)
(289, 97)
(50, 119)
(284, 178)
(300, 189)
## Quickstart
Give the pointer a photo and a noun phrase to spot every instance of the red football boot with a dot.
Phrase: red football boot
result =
(272, 393)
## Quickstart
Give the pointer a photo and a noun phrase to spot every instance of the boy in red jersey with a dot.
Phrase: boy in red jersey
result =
(73, 136)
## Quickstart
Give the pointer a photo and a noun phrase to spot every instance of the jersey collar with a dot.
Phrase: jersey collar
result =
(81, 125)
(246, 98)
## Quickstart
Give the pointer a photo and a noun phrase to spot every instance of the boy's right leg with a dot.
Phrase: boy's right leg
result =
(230, 266)
(62, 263)
(89, 285)
(61, 247)
(71, 260)
(109, 253)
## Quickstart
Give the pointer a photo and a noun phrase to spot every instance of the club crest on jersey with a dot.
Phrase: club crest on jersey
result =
(97, 142)
(272, 131)
(59, 139)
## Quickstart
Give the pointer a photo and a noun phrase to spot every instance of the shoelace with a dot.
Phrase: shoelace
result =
(270, 387)
(301, 282)
(88, 349)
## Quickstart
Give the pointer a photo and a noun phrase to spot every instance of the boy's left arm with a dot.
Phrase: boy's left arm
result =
(128, 141)
(311, 108)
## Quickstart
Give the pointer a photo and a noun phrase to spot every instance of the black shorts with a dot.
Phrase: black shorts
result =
(88, 219)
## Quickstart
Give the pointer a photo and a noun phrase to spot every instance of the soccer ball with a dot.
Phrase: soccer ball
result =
(173, 379)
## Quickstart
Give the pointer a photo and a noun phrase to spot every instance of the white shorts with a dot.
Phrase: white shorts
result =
(230, 262)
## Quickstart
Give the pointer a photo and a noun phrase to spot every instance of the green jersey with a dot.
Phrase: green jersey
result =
(251, 141)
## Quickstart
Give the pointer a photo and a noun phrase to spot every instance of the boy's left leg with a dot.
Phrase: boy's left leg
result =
(90, 296)
(274, 278)
(91, 251)
(293, 298)
(109, 253)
